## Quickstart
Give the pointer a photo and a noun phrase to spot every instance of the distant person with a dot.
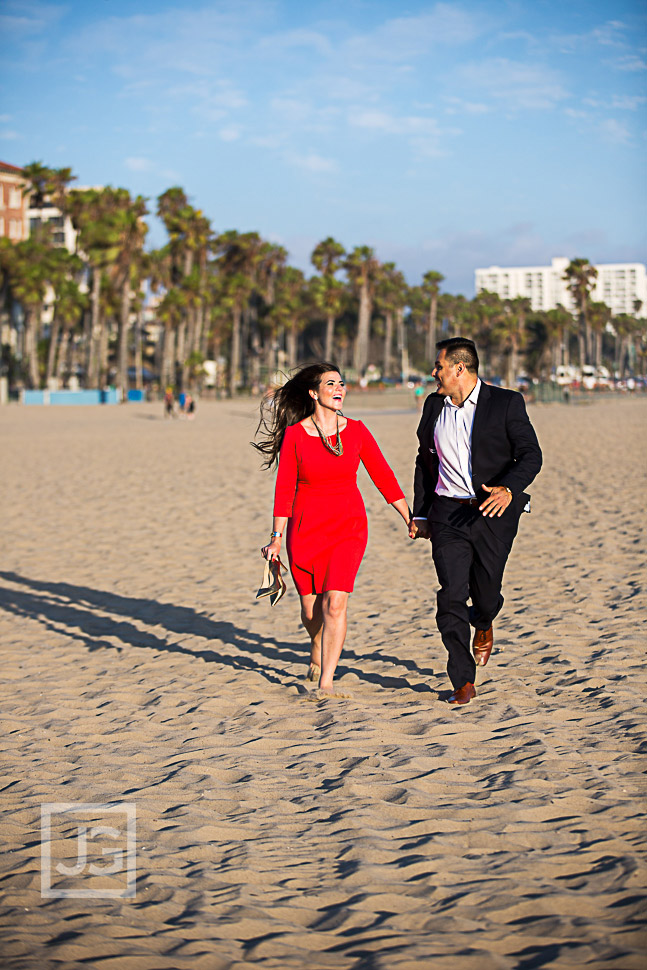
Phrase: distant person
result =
(181, 401)
(477, 453)
(169, 403)
(317, 499)
(419, 396)
(189, 406)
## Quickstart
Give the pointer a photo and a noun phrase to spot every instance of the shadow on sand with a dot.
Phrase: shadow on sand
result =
(80, 613)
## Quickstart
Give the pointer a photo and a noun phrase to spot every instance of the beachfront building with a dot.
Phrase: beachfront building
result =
(14, 224)
(619, 285)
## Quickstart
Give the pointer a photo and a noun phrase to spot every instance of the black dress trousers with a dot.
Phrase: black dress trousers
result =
(470, 558)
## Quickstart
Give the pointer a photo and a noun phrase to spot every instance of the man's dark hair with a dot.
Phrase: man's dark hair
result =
(460, 350)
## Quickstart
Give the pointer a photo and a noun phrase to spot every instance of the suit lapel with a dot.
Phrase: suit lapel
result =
(436, 402)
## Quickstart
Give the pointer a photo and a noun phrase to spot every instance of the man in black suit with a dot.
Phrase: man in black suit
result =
(477, 453)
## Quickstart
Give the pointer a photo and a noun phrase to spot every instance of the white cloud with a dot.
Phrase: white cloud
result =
(423, 135)
(460, 106)
(23, 18)
(138, 164)
(614, 131)
(291, 110)
(630, 62)
(516, 85)
(393, 125)
(230, 133)
(623, 102)
(403, 38)
(609, 34)
(300, 38)
(312, 162)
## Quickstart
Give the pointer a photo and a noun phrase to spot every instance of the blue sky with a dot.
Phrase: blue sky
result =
(445, 135)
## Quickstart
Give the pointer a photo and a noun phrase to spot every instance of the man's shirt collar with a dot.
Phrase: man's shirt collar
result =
(471, 398)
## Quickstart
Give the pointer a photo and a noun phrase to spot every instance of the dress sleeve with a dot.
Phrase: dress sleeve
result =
(377, 466)
(286, 479)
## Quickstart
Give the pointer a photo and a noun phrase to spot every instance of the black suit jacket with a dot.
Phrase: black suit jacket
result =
(505, 451)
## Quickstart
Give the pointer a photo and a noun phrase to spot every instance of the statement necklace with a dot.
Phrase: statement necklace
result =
(338, 448)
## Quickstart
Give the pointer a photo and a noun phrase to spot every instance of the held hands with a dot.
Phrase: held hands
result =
(496, 503)
(419, 529)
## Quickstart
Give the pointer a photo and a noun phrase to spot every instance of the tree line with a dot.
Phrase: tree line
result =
(232, 297)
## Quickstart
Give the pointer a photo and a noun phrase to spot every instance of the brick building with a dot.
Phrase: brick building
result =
(14, 205)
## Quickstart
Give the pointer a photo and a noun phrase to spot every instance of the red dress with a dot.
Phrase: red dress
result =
(327, 528)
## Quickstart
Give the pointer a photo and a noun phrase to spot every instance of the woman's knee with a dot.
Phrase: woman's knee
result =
(335, 604)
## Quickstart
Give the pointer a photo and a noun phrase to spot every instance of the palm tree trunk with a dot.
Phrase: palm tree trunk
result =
(588, 341)
(104, 351)
(122, 353)
(512, 362)
(235, 350)
(199, 327)
(51, 353)
(92, 349)
(330, 335)
(62, 356)
(402, 345)
(388, 343)
(430, 350)
(181, 352)
(168, 356)
(139, 329)
(31, 349)
(292, 346)
(363, 328)
(581, 339)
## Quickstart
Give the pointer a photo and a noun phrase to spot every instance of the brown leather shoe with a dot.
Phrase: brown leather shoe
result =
(482, 646)
(463, 695)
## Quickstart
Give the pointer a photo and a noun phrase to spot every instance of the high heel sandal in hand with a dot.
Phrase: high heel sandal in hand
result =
(273, 584)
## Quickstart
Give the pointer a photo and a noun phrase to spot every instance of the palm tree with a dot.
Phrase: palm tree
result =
(484, 313)
(510, 333)
(94, 214)
(362, 269)
(28, 269)
(236, 264)
(290, 307)
(131, 230)
(64, 271)
(170, 312)
(391, 298)
(431, 287)
(47, 184)
(327, 257)
(68, 311)
(558, 323)
(580, 278)
(599, 317)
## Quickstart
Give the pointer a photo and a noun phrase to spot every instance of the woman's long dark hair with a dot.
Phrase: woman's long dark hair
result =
(288, 405)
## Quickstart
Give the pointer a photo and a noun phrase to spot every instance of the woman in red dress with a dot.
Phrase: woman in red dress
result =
(317, 498)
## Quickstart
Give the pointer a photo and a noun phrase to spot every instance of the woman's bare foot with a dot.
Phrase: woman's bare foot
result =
(323, 693)
(314, 673)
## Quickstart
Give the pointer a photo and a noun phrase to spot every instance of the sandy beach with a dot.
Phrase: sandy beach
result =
(383, 831)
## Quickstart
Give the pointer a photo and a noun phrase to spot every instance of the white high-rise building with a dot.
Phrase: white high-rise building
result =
(619, 285)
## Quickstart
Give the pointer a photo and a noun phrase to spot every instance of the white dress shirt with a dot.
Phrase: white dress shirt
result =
(453, 444)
